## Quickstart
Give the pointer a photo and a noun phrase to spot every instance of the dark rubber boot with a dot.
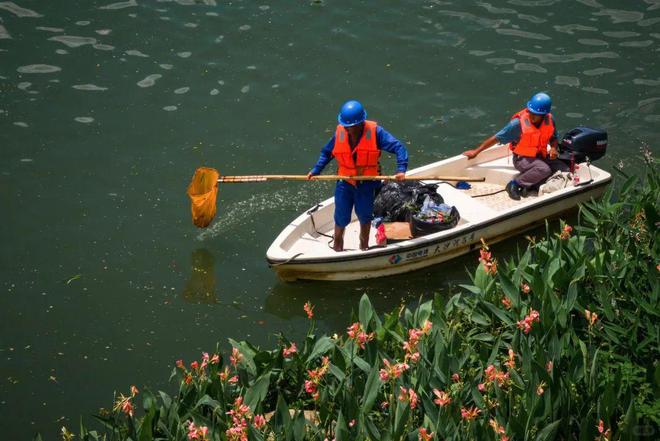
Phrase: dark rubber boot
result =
(338, 244)
(364, 236)
(512, 190)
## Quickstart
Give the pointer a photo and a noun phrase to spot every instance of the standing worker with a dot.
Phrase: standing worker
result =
(528, 134)
(356, 144)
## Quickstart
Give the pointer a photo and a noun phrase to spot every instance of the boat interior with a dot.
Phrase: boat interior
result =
(312, 235)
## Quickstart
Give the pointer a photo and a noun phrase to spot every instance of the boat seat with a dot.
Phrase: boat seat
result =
(498, 171)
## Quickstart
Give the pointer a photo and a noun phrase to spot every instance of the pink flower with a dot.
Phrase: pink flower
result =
(470, 414)
(134, 391)
(215, 359)
(288, 352)
(356, 333)
(127, 408)
(481, 387)
(351, 423)
(194, 365)
(233, 380)
(511, 361)
(236, 356)
(426, 327)
(506, 302)
(309, 309)
(566, 232)
(526, 324)
(180, 365)
(540, 388)
(408, 395)
(455, 378)
(443, 398)
(591, 317)
(259, 421)
(423, 435)
(525, 288)
(392, 371)
(548, 366)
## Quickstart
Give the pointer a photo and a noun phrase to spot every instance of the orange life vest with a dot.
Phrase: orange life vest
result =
(367, 152)
(533, 140)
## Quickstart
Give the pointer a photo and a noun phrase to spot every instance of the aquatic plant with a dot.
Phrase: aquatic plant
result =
(571, 354)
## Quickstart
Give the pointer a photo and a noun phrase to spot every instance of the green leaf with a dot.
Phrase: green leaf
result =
(341, 429)
(145, 432)
(361, 364)
(400, 418)
(548, 432)
(299, 423)
(371, 389)
(257, 392)
(366, 311)
(510, 290)
(322, 345)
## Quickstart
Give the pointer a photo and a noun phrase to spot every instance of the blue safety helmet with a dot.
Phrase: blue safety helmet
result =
(351, 113)
(539, 104)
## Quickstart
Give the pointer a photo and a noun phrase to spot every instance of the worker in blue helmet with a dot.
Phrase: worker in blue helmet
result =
(528, 134)
(356, 145)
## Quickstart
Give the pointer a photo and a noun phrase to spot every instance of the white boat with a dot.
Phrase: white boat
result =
(302, 250)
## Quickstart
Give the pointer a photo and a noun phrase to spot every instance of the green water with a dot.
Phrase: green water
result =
(107, 109)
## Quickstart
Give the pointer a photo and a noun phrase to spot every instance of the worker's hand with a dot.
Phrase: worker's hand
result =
(471, 154)
(400, 176)
(310, 175)
(553, 153)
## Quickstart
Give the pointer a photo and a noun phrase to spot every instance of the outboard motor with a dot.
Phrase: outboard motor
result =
(581, 143)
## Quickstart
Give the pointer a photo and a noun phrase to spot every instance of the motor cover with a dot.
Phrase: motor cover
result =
(583, 142)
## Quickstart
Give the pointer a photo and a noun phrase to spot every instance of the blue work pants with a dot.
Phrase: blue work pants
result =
(360, 196)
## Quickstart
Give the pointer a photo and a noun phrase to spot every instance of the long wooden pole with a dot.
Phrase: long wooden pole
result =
(263, 178)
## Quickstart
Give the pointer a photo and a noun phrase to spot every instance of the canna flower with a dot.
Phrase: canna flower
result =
(180, 364)
(426, 327)
(288, 352)
(481, 387)
(526, 324)
(591, 317)
(443, 398)
(236, 356)
(490, 264)
(188, 379)
(127, 408)
(315, 377)
(548, 366)
(351, 423)
(205, 359)
(197, 432)
(493, 375)
(392, 371)
(215, 359)
(408, 395)
(511, 361)
(566, 232)
(499, 430)
(233, 380)
(456, 378)
(424, 436)
(604, 434)
(309, 309)
(540, 388)
(134, 391)
(259, 421)
(470, 414)
(356, 332)
(506, 302)
(194, 365)
(525, 288)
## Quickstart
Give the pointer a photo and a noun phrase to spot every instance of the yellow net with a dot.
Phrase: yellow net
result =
(203, 190)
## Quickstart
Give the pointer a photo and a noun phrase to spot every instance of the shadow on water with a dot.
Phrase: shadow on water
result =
(201, 285)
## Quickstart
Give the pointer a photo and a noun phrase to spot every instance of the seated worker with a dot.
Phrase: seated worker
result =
(528, 134)
(356, 145)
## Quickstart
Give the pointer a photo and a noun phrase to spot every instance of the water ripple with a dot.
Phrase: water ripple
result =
(84, 119)
(571, 28)
(621, 16)
(3, 33)
(90, 87)
(17, 10)
(567, 58)
(621, 34)
(643, 43)
(567, 80)
(598, 71)
(530, 67)
(522, 34)
(149, 81)
(73, 40)
(38, 69)
(49, 29)
(120, 5)
(136, 53)
(592, 42)
(485, 22)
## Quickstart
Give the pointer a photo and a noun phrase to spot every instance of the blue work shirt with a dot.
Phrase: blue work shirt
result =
(511, 132)
(384, 141)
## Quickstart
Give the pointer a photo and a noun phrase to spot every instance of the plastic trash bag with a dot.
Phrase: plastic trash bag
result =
(397, 200)
(433, 217)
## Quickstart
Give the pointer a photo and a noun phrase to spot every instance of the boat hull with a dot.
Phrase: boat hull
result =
(421, 254)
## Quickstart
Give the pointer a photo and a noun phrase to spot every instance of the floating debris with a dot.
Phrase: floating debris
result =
(149, 80)
(38, 69)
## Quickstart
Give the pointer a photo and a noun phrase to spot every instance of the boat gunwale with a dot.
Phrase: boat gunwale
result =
(374, 253)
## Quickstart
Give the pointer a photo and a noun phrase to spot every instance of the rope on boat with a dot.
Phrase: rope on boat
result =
(288, 260)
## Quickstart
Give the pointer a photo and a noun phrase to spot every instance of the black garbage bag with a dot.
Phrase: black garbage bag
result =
(397, 200)
(433, 219)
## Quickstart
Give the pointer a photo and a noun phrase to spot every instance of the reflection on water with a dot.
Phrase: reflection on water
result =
(201, 285)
